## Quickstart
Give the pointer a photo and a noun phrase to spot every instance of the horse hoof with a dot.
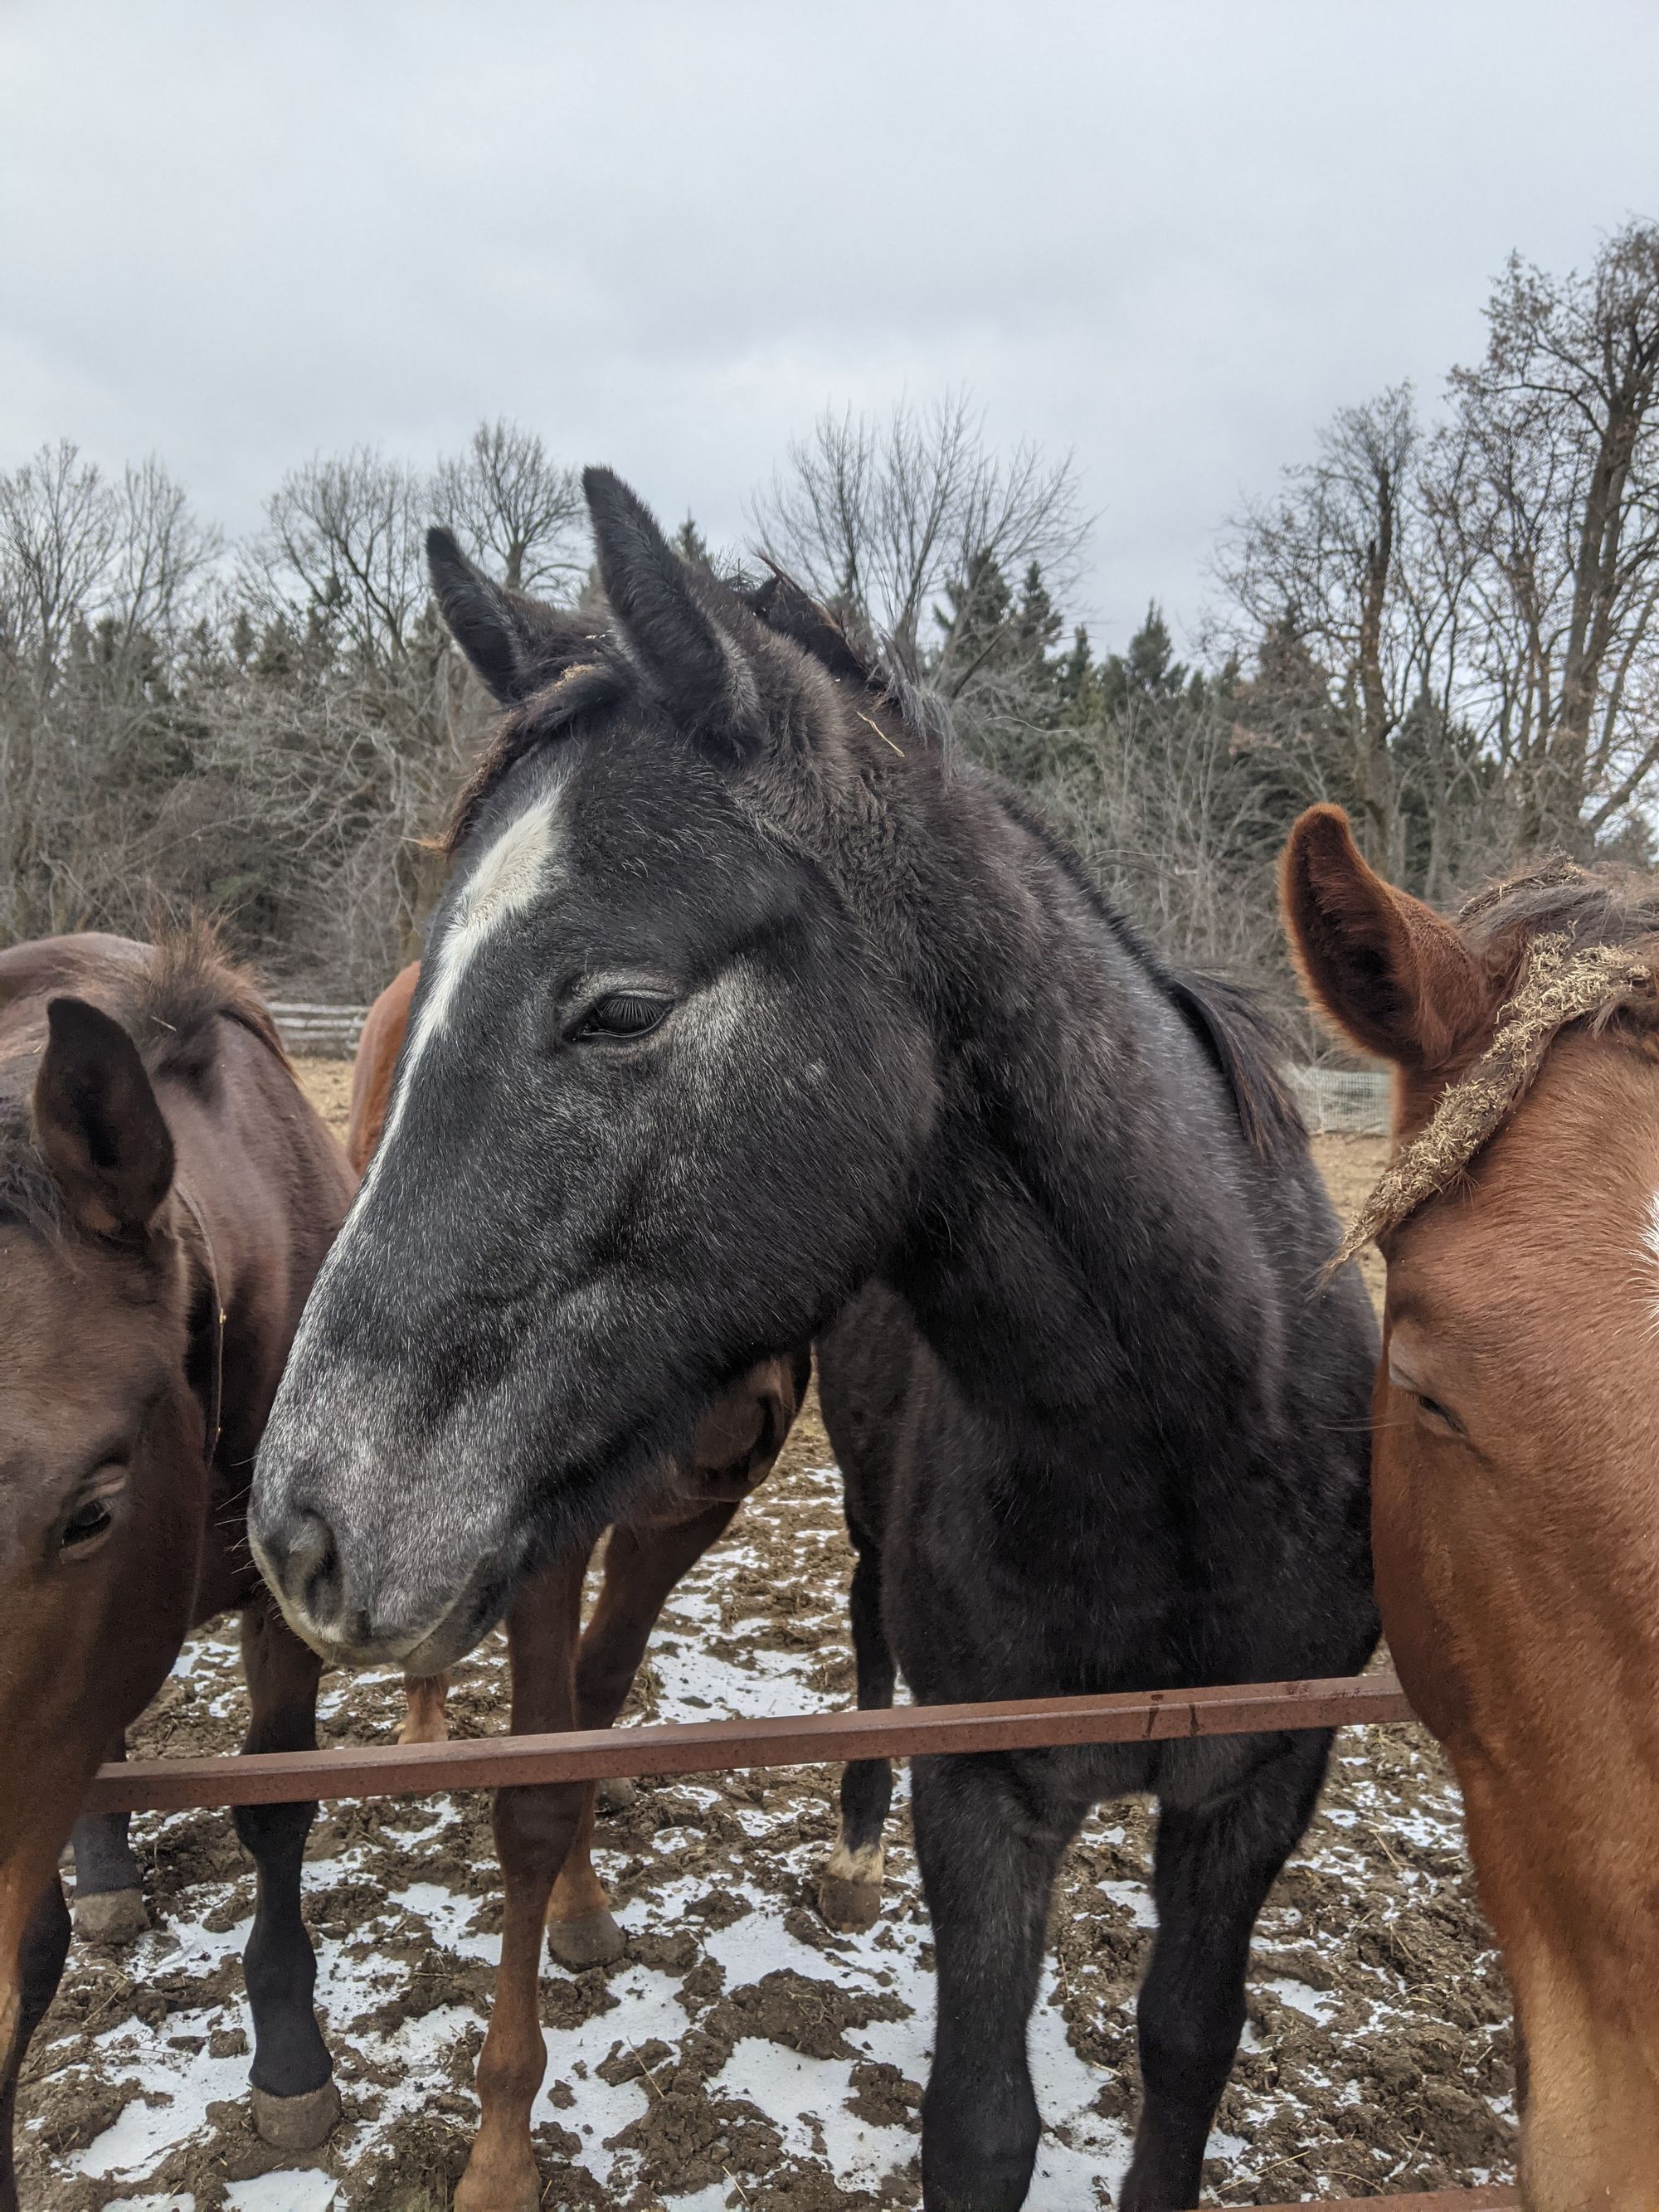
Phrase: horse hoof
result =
(594, 1940)
(493, 2185)
(617, 1792)
(296, 2122)
(849, 1907)
(111, 1916)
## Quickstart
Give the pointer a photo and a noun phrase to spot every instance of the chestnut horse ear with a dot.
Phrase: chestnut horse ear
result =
(496, 629)
(97, 1121)
(697, 667)
(1390, 971)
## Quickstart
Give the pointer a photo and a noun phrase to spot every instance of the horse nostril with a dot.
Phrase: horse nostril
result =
(308, 1564)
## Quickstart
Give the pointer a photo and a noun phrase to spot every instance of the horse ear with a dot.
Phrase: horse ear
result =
(1390, 971)
(494, 628)
(98, 1123)
(698, 668)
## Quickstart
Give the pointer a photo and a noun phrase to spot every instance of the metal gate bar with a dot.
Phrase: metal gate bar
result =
(794, 1740)
(276, 1778)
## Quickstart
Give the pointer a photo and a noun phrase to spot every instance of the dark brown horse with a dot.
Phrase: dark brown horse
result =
(563, 1678)
(1516, 1474)
(166, 1196)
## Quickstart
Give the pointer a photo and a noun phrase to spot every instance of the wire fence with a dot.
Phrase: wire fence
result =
(1343, 1101)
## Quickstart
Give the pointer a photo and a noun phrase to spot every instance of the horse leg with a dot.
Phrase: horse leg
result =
(295, 2103)
(641, 1567)
(1213, 1864)
(109, 1899)
(535, 1827)
(40, 1967)
(991, 1830)
(425, 1720)
(849, 1889)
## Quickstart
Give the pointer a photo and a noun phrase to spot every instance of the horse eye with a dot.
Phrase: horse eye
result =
(623, 1014)
(1436, 1411)
(86, 1525)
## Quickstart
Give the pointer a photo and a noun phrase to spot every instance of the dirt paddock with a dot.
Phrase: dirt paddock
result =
(739, 2055)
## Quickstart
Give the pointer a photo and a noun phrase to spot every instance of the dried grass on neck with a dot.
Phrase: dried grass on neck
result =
(1560, 986)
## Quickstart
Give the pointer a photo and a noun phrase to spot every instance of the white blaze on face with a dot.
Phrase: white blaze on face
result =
(506, 881)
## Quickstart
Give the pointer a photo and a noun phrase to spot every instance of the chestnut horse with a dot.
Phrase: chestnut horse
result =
(1515, 1475)
(166, 1196)
(564, 1679)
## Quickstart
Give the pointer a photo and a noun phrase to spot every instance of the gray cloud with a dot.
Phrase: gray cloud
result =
(1173, 238)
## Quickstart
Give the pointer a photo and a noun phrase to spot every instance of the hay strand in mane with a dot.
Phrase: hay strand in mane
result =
(1560, 985)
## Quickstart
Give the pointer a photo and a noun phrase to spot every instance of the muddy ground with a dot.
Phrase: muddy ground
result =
(739, 2055)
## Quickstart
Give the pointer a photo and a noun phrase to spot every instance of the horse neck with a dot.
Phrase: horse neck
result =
(1071, 1203)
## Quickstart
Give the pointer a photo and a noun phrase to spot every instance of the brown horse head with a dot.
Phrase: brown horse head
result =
(104, 1396)
(1516, 1477)
(165, 1200)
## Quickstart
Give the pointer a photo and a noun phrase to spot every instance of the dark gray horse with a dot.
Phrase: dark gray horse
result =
(749, 1006)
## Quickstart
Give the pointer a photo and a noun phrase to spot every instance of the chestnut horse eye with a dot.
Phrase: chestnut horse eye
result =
(623, 1014)
(1436, 1412)
(87, 1524)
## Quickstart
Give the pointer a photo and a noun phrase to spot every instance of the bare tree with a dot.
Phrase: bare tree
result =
(879, 517)
(514, 508)
(57, 531)
(1356, 560)
(98, 582)
(341, 549)
(1556, 436)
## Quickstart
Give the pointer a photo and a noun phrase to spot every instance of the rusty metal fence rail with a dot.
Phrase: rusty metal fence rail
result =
(497, 1762)
(794, 1740)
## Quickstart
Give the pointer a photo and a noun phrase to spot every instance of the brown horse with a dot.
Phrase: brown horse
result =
(166, 1195)
(1516, 1477)
(564, 1678)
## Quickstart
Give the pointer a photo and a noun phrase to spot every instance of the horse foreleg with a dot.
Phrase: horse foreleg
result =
(641, 1567)
(991, 1830)
(849, 1888)
(295, 2103)
(109, 1898)
(1212, 1865)
(26, 1988)
(425, 1718)
(535, 1827)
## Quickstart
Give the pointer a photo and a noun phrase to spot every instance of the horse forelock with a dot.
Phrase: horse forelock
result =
(169, 996)
(594, 671)
(1560, 985)
(189, 983)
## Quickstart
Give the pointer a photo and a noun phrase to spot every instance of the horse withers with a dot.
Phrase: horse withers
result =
(1517, 1456)
(564, 1677)
(750, 999)
(166, 1195)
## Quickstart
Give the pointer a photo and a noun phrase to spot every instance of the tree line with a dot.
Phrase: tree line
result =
(1448, 620)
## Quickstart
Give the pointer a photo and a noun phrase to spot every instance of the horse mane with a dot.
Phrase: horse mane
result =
(1560, 944)
(1605, 904)
(1237, 1037)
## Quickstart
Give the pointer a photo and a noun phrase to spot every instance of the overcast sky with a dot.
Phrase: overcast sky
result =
(666, 233)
